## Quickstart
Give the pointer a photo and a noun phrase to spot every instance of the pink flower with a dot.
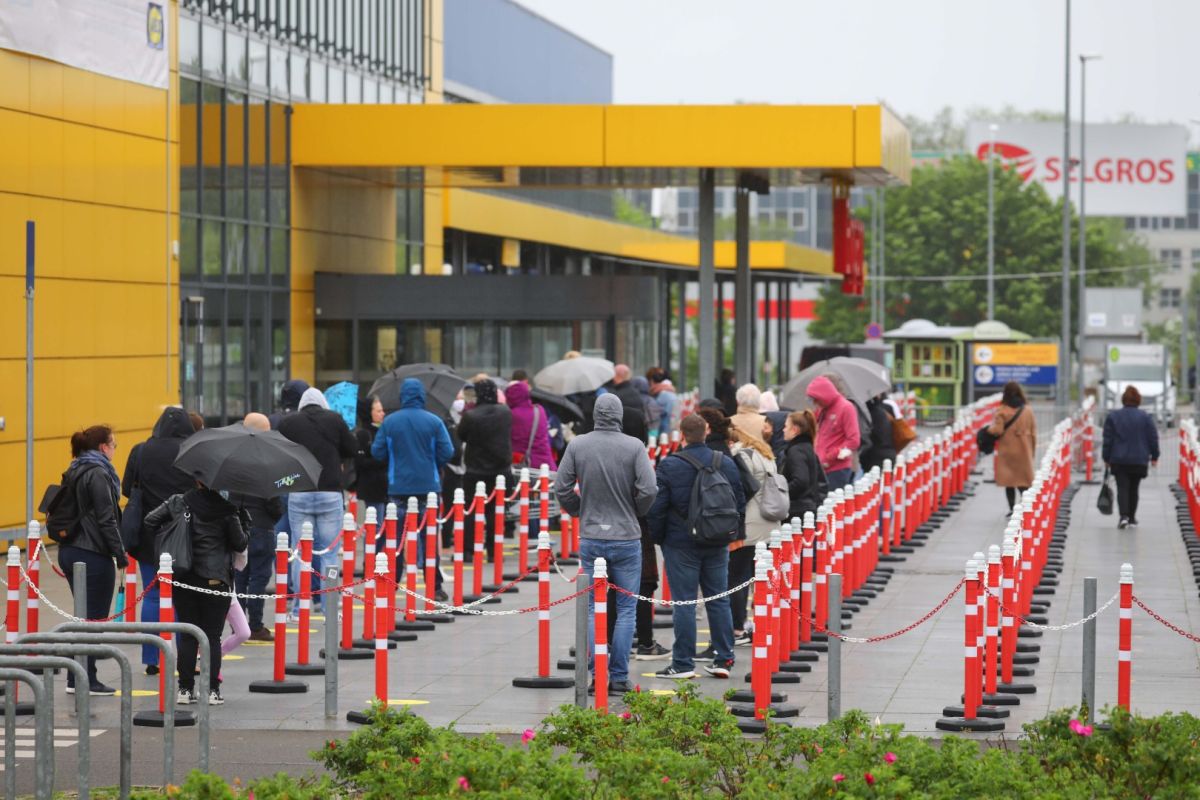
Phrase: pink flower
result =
(463, 783)
(637, 687)
(1079, 728)
(666, 779)
(889, 758)
(839, 778)
(626, 715)
(528, 736)
(819, 749)
(415, 760)
(869, 778)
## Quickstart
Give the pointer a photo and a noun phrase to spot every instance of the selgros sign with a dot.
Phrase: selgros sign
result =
(1131, 170)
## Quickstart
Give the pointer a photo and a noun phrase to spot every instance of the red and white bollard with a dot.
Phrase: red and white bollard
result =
(370, 535)
(543, 679)
(130, 591)
(432, 548)
(967, 716)
(391, 549)
(379, 572)
(992, 657)
(278, 683)
(479, 508)
(412, 528)
(807, 558)
(1125, 638)
(600, 608)
(347, 649)
(459, 529)
(752, 710)
(522, 527)
(302, 666)
(12, 619)
(498, 532)
(166, 613)
(33, 572)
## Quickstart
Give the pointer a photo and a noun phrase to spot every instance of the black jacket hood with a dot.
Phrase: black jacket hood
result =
(290, 394)
(173, 424)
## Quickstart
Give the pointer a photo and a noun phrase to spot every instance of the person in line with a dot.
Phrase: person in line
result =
(664, 394)
(486, 434)
(651, 411)
(837, 426)
(617, 486)
(260, 517)
(693, 566)
(807, 485)
(759, 460)
(726, 392)
(530, 432)
(749, 418)
(416, 446)
(151, 470)
(1130, 443)
(217, 535)
(323, 433)
(1016, 443)
(371, 483)
(97, 538)
(622, 386)
(883, 444)
(289, 401)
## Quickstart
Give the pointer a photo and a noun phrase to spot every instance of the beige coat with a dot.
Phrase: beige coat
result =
(749, 422)
(1015, 448)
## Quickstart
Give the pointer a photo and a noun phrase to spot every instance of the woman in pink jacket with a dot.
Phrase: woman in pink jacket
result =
(525, 413)
(837, 432)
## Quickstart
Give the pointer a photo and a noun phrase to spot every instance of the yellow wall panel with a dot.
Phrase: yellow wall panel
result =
(48, 216)
(79, 163)
(14, 210)
(110, 103)
(79, 96)
(14, 151)
(14, 81)
(45, 87)
(145, 110)
(45, 156)
(146, 173)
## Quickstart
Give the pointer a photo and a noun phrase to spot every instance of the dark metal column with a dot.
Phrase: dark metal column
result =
(720, 360)
(704, 223)
(681, 376)
(786, 361)
(743, 331)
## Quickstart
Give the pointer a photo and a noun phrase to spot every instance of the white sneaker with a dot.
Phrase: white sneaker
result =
(215, 699)
(185, 698)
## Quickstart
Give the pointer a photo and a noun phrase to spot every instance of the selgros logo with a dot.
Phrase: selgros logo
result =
(1010, 156)
(155, 25)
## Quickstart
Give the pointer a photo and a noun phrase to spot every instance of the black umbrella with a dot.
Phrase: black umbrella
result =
(441, 383)
(248, 462)
(560, 406)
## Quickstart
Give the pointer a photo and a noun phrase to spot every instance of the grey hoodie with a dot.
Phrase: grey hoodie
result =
(616, 482)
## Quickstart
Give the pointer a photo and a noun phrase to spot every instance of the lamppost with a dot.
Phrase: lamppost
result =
(991, 246)
(1064, 356)
(1084, 58)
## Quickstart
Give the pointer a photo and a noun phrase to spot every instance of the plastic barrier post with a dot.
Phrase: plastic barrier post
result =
(600, 605)
(166, 613)
(807, 538)
(411, 532)
(992, 659)
(543, 679)
(966, 717)
(370, 535)
(278, 684)
(379, 573)
(347, 650)
(459, 545)
(391, 551)
(131, 579)
(12, 619)
(1125, 637)
(522, 527)
(302, 665)
(33, 547)
(498, 536)
(432, 547)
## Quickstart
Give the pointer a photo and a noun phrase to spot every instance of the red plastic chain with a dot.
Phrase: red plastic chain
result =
(136, 601)
(528, 610)
(875, 639)
(1172, 626)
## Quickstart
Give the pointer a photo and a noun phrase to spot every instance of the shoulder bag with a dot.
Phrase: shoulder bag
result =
(175, 537)
(1104, 502)
(986, 440)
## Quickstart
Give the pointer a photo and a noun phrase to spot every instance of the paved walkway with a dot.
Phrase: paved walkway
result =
(461, 673)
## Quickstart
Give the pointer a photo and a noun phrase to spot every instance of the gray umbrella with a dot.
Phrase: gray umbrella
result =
(574, 375)
(860, 380)
(442, 385)
(248, 462)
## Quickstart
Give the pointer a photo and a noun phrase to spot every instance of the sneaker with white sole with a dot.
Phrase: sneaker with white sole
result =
(743, 639)
(719, 669)
(673, 672)
(215, 699)
(652, 653)
(186, 697)
(707, 654)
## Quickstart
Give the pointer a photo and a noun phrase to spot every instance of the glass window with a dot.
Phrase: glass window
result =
(299, 78)
(256, 253)
(189, 247)
(277, 199)
(370, 91)
(799, 218)
(189, 44)
(257, 161)
(1195, 257)
(387, 94)
(334, 354)
(280, 313)
(235, 249)
(210, 142)
(235, 57)
(211, 248)
(353, 87)
(235, 357)
(278, 253)
(258, 64)
(189, 139)
(279, 71)
(212, 46)
(316, 81)
(337, 85)
(235, 155)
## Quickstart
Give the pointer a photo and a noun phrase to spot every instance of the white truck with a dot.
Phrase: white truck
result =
(1145, 367)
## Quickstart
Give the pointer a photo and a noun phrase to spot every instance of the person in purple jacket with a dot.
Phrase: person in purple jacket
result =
(527, 419)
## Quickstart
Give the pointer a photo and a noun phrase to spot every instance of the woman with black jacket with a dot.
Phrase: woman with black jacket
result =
(806, 480)
(151, 471)
(216, 534)
(371, 482)
(882, 447)
(1130, 444)
(486, 434)
(97, 537)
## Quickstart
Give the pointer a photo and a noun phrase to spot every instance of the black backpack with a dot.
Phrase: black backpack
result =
(712, 513)
(63, 510)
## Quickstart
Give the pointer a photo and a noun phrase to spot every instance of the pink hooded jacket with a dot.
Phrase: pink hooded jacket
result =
(837, 425)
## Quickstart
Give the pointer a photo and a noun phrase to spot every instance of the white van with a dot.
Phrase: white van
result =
(1143, 366)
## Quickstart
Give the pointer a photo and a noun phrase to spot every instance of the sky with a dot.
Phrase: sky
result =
(916, 55)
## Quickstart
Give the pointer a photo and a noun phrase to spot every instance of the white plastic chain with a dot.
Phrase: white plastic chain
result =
(47, 601)
(1068, 625)
(563, 575)
(695, 602)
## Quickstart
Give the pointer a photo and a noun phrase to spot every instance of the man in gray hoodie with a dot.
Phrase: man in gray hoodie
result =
(616, 486)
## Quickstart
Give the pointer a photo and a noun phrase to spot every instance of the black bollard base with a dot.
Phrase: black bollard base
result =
(977, 725)
(415, 625)
(565, 663)
(778, 710)
(999, 699)
(351, 654)
(663, 623)
(895, 559)
(986, 712)
(369, 644)
(795, 666)
(358, 717)
(492, 588)
(779, 677)
(803, 656)
(813, 647)
(304, 669)
(540, 682)
(155, 719)
(435, 617)
(1016, 688)
(279, 687)
(751, 725)
(747, 696)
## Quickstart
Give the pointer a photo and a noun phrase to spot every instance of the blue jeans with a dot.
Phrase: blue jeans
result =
(149, 610)
(324, 510)
(624, 562)
(838, 478)
(706, 568)
(101, 582)
(401, 502)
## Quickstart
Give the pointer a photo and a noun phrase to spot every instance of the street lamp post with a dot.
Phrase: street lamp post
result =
(1084, 58)
(1064, 356)
(991, 246)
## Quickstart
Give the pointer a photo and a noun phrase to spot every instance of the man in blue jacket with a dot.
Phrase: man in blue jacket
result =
(692, 565)
(415, 445)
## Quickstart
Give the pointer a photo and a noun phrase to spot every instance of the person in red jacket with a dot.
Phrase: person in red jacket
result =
(837, 432)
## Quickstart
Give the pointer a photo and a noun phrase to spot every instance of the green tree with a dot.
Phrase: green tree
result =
(936, 233)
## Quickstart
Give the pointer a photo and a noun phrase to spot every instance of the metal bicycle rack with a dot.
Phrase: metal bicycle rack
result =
(43, 775)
